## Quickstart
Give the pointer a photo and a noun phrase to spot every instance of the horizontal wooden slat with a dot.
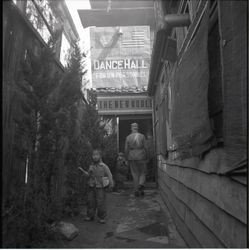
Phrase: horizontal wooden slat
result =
(189, 238)
(213, 162)
(220, 190)
(229, 230)
(240, 179)
(192, 223)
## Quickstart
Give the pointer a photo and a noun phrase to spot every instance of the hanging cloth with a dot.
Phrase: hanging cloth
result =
(191, 130)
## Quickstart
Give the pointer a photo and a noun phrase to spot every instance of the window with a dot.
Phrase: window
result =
(36, 19)
(40, 14)
(20, 4)
(45, 9)
(65, 50)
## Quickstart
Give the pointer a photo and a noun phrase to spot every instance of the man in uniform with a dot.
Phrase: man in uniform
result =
(135, 150)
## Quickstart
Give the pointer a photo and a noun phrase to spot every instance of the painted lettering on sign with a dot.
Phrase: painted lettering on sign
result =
(142, 103)
(120, 60)
(119, 64)
(126, 74)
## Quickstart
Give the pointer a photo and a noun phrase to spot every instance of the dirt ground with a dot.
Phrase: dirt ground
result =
(142, 222)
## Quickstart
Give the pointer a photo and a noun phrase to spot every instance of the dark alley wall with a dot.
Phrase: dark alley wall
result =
(204, 183)
(19, 39)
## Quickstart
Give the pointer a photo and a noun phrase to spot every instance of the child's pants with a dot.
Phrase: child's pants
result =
(138, 171)
(96, 201)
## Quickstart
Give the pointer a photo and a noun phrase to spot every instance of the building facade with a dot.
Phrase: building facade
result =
(198, 87)
(121, 35)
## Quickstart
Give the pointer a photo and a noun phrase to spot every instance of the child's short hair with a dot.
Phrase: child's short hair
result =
(97, 150)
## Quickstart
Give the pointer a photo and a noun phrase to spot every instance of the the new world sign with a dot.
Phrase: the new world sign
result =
(120, 56)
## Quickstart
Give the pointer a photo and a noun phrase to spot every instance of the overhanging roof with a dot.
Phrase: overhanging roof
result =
(118, 17)
(121, 91)
(103, 4)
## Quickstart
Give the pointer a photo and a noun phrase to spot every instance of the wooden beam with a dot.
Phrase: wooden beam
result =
(118, 17)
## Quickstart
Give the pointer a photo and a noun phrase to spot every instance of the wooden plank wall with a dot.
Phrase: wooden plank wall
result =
(205, 206)
(209, 209)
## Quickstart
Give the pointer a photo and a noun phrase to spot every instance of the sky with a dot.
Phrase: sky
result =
(73, 6)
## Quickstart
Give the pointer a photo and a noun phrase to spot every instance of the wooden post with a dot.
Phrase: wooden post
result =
(117, 119)
(154, 140)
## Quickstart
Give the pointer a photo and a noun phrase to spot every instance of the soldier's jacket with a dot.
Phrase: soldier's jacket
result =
(135, 147)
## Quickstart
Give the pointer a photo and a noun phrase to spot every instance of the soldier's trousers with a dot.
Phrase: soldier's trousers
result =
(96, 201)
(138, 171)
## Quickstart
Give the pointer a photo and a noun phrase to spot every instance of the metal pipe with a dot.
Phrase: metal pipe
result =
(177, 20)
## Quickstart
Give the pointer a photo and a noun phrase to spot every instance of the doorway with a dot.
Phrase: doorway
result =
(145, 126)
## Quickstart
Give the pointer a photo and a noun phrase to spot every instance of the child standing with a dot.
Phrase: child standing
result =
(98, 177)
(121, 171)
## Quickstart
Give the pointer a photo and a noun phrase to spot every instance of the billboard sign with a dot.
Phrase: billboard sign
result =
(120, 56)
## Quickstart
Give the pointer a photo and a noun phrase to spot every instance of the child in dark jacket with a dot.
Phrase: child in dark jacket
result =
(121, 171)
(99, 177)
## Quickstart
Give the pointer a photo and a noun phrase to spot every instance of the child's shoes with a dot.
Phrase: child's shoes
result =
(141, 193)
(102, 221)
(88, 219)
(136, 193)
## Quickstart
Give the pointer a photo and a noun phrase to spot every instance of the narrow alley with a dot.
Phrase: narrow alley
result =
(142, 222)
(146, 97)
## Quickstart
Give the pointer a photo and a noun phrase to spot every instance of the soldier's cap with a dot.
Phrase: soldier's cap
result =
(134, 125)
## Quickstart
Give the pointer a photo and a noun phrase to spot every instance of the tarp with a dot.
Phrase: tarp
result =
(120, 56)
(234, 30)
(191, 130)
